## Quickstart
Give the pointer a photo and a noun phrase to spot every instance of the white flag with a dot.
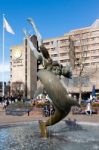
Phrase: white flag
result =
(7, 26)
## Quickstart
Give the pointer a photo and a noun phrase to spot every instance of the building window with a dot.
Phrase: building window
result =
(95, 57)
(47, 43)
(91, 39)
(85, 35)
(86, 64)
(52, 49)
(85, 48)
(63, 54)
(65, 60)
(86, 58)
(64, 41)
(64, 48)
(84, 81)
(54, 55)
(51, 42)
(77, 36)
(75, 81)
(94, 63)
(77, 43)
(95, 33)
(84, 41)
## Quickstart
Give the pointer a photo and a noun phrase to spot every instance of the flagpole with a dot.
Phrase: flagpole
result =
(3, 53)
(8, 28)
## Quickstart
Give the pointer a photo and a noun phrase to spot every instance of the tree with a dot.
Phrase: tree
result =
(82, 71)
(17, 88)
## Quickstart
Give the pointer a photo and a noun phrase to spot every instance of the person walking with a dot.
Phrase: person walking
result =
(89, 109)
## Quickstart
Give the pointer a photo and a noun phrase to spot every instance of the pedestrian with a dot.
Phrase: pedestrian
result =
(89, 109)
(28, 112)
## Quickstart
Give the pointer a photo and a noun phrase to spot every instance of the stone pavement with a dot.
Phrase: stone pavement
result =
(37, 115)
(8, 119)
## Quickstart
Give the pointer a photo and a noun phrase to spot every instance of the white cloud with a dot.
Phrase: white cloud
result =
(5, 68)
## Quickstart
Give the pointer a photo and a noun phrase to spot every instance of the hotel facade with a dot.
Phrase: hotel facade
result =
(23, 70)
(78, 48)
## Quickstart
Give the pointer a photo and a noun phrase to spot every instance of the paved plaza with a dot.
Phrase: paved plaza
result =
(38, 115)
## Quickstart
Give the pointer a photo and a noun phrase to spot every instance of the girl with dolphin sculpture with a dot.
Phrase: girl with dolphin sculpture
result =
(51, 83)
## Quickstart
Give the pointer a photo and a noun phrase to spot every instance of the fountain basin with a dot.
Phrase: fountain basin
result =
(62, 136)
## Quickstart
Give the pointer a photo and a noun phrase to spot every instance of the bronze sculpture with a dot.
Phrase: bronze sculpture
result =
(51, 83)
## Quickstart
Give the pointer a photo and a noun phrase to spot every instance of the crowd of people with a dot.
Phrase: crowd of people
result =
(48, 110)
(5, 101)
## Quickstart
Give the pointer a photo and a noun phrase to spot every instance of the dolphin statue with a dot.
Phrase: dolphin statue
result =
(60, 99)
(51, 83)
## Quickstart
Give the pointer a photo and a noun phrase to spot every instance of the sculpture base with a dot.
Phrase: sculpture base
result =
(43, 129)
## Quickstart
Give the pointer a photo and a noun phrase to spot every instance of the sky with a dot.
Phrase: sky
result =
(52, 17)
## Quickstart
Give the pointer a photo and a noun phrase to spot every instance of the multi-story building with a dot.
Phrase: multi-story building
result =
(23, 69)
(79, 48)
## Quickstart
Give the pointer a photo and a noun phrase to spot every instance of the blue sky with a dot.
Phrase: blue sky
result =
(53, 18)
